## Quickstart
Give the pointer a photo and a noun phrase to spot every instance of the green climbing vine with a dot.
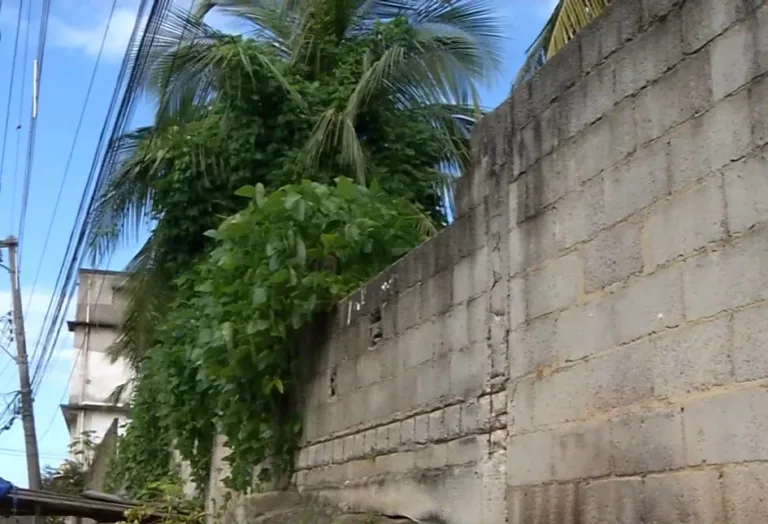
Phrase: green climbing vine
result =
(226, 361)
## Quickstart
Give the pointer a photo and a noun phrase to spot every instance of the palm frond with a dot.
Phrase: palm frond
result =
(568, 19)
(124, 202)
(189, 58)
(147, 291)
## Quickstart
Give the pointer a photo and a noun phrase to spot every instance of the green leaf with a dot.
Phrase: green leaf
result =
(278, 384)
(301, 251)
(212, 233)
(258, 296)
(291, 199)
(259, 196)
(246, 191)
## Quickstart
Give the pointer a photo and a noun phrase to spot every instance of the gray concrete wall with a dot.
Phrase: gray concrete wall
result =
(587, 343)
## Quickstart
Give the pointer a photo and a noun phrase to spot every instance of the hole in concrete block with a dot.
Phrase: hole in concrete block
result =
(333, 382)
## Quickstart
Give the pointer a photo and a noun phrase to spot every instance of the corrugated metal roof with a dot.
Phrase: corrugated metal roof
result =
(99, 507)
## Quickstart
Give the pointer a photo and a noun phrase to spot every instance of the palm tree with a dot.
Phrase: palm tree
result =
(568, 19)
(451, 46)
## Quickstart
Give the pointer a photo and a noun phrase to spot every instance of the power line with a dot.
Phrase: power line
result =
(65, 283)
(72, 150)
(21, 107)
(40, 56)
(10, 92)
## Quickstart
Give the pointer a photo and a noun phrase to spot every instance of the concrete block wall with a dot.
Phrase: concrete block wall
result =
(588, 342)
(638, 343)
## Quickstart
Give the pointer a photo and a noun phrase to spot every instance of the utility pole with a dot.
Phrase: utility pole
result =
(27, 413)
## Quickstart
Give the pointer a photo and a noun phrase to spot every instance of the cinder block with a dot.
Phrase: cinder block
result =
(745, 489)
(535, 241)
(554, 399)
(729, 427)
(436, 295)
(644, 443)
(415, 347)
(530, 459)
(693, 358)
(691, 497)
(497, 345)
(600, 86)
(432, 381)
(407, 431)
(750, 340)
(618, 500)
(585, 330)
(405, 392)
(618, 378)
(637, 182)
(758, 106)
(369, 368)
(395, 462)
(480, 278)
(705, 19)
(518, 304)
(337, 450)
(729, 278)
(746, 192)
(733, 56)
(470, 416)
(456, 324)
(520, 406)
(452, 420)
(409, 308)
(653, 9)
(432, 457)
(613, 255)
(619, 23)
(462, 281)
(651, 303)
(421, 429)
(380, 399)
(544, 504)
(584, 452)
(675, 97)
(478, 325)
(711, 141)
(468, 370)
(467, 450)
(594, 138)
(647, 57)
(394, 437)
(555, 286)
(698, 215)
(437, 430)
(531, 347)
(382, 440)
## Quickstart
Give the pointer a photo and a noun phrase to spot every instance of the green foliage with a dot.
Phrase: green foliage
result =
(227, 360)
(167, 500)
(382, 92)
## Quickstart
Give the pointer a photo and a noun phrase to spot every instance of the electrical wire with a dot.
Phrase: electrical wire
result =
(66, 282)
(72, 150)
(10, 93)
(21, 108)
(40, 57)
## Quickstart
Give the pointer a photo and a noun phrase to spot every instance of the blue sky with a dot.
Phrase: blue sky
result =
(74, 37)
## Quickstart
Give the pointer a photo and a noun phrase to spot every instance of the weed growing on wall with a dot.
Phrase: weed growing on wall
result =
(227, 359)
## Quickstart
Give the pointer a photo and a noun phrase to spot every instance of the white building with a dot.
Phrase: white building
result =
(91, 407)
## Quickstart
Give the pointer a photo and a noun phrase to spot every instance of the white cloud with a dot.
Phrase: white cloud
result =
(87, 37)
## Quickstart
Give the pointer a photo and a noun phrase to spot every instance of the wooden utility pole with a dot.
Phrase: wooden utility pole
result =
(27, 413)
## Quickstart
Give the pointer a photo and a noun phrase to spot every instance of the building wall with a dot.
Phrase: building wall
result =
(91, 407)
(587, 342)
